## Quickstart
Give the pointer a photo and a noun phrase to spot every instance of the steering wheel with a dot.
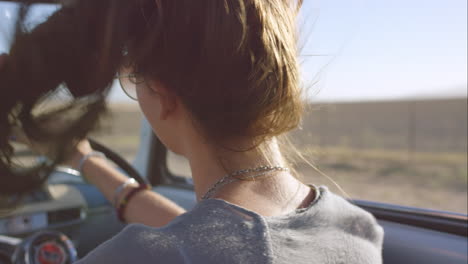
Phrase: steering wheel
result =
(119, 161)
(123, 164)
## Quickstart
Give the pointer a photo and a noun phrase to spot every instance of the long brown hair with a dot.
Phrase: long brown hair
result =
(75, 50)
(232, 62)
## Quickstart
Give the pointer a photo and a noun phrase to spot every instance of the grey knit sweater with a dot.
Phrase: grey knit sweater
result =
(329, 230)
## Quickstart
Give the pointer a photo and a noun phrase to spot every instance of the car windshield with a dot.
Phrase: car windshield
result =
(386, 89)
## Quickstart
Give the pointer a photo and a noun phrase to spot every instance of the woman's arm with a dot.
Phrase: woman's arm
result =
(146, 207)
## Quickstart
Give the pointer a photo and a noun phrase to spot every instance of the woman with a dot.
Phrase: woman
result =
(218, 81)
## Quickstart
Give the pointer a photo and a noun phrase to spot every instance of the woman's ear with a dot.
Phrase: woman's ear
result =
(167, 100)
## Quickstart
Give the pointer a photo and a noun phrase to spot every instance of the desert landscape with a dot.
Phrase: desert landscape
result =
(412, 153)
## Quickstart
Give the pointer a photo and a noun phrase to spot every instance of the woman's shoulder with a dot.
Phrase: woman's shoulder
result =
(328, 225)
(329, 217)
(136, 243)
(328, 211)
(223, 232)
(209, 231)
(337, 212)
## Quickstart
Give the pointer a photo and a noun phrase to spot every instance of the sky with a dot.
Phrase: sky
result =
(358, 50)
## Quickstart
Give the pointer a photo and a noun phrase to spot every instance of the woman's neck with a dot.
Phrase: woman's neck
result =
(272, 193)
(209, 163)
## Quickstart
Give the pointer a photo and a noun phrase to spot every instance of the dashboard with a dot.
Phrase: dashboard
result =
(54, 205)
(65, 204)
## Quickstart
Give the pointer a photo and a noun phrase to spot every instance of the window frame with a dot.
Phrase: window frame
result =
(447, 222)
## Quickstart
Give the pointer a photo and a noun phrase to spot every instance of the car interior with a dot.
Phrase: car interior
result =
(68, 205)
(73, 214)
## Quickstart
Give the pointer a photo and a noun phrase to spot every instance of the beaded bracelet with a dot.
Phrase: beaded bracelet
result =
(124, 202)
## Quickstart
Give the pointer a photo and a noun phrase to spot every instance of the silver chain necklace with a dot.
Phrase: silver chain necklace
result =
(232, 177)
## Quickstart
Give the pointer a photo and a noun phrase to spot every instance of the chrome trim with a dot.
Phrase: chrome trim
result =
(68, 170)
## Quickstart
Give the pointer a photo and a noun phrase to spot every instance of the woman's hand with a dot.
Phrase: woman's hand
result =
(80, 149)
